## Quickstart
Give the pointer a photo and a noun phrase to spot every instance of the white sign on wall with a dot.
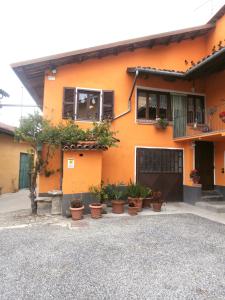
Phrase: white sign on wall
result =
(70, 163)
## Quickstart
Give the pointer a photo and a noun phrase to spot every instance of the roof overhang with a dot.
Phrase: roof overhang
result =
(7, 129)
(32, 72)
(217, 16)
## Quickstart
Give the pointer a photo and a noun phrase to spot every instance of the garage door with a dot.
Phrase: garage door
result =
(161, 169)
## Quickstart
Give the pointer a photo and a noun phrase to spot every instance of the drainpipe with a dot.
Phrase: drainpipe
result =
(129, 99)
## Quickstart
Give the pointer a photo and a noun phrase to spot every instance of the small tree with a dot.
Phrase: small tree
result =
(39, 132)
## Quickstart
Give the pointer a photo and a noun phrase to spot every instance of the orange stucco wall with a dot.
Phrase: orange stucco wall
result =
(10, 162)
(216, 35)
(87, 171)
(109, 73)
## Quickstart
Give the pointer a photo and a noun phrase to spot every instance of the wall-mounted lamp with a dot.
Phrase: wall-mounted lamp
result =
(193, 145)
(51, 73)
(54, 71)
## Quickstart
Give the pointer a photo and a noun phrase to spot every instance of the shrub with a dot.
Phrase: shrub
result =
(99, 192)
(136, 190)
(76, 203)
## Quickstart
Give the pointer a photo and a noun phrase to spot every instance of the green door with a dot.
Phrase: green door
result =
(24, 170)
(179, 115)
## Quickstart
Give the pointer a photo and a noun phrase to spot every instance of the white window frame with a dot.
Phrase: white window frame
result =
(100, 108)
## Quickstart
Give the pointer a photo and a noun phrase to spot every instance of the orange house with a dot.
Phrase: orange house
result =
(175, 76)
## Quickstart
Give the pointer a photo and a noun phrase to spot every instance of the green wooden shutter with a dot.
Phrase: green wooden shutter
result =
(68, 103)
(108, 105)
(179, 115)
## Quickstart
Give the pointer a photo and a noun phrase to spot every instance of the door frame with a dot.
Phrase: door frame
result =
(152, 147)
(214, 156)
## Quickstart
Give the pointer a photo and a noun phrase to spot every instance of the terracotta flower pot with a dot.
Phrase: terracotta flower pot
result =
(118, 206)
(137, 202)
(196, 179)
(157, 206)
(96, 210)
(133, 211)
(77, 213)
(147, 202)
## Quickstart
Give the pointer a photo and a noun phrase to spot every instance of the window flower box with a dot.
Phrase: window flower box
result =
(161, 123)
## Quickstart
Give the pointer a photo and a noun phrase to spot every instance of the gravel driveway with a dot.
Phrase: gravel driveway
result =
(144, 257)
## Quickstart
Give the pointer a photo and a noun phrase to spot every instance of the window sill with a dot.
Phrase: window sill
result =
(149, 122)
(87, 121)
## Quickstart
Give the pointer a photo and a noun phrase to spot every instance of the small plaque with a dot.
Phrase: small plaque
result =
(70, 163)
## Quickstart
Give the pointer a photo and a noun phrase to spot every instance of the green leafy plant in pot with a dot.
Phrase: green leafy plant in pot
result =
(116, 194)
(77, 209)
(101, 196)
(136, 193)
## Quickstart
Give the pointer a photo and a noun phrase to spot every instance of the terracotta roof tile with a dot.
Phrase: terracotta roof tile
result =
(86, 145)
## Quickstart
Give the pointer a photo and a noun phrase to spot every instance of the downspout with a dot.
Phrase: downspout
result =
(129, 99)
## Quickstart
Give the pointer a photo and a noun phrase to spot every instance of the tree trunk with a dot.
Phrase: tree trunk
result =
(33, 194)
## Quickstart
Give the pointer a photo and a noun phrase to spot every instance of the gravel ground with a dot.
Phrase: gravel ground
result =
(143, 257)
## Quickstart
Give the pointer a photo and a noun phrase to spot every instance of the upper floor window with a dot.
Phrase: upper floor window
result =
(88, 105)
(195, 109)
(152, 105)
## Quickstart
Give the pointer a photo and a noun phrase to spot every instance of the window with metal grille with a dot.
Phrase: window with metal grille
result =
(160, 161)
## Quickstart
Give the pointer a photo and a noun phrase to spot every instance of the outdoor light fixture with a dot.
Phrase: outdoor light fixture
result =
(193, 144)
(51, 73)
(54, 71)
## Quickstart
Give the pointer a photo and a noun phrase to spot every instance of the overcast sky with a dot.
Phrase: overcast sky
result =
(36, 28)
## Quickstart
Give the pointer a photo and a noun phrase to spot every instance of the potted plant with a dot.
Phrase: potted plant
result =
(116, 195)
(136, 194)
(157, 201)
(132, 209)
(222, 116)
(195, 176)
(101, 196)
(147, 200)
(77, 209)
(161, 123)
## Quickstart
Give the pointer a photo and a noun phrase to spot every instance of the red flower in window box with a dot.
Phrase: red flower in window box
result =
(195, 176)
(222, 116)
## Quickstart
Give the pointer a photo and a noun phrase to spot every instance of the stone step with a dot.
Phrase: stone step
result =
(43, 199)
(210, 192)
(212, 198)
(44, 205)
(214, 206)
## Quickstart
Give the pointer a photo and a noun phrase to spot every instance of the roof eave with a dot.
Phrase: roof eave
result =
(217, 16)
(157, 72)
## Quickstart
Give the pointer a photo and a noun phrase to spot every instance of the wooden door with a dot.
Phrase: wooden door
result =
(24, 170)
(161, 169)
(204, 163)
